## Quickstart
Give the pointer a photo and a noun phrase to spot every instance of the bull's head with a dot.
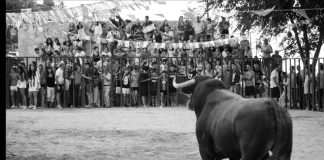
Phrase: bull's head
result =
(199, 88)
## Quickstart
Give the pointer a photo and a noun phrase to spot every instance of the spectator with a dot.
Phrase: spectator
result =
(259, 86)
(77, 79)
(126, 87)
(248, 52)
(118, 75)
(97, 30)
(134, 86)
(13, 80)
(88, 85)
(168, 35)
(146, 23)
(293, 88)
(300, 85)
(105, 52)
(95, 83)
(136, 26)
(266, 50)
(157, 37)
(188, 30)
(42, 79)
(67, 83)
(180, 27)
(285, 96)
(95, 54)
(223, 27)
(208, 71)
(274, 83)
(138, 34)
(153, 87)
(320, 91)
(199, 28)
(59, 80)
(249, 77)
(163, 89)
(276, 59)
(33, 86)
(210, 29)
(72, 28)
(22, 85)
(49, 47)
(79, 53)
(182, 68)
(50, 86)
(308, 89)
(128, 29)
(107, 78)
(235, 83)
(111, 36)
(57, 45)
(172, 90)
(165, 23)
(143, 77)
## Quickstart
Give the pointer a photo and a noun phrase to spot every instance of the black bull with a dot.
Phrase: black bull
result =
(230, 126)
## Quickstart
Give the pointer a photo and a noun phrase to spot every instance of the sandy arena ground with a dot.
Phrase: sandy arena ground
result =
(129, 134)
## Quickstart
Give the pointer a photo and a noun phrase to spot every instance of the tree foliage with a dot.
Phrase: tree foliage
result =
(304, 37)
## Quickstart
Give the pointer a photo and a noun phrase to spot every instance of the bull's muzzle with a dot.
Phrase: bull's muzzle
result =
(183, 84)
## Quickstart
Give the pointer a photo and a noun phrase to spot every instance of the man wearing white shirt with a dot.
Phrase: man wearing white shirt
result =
(199, 28)
(274, 83)
(59, 80)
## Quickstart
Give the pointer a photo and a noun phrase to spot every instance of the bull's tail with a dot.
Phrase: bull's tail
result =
(283, 144)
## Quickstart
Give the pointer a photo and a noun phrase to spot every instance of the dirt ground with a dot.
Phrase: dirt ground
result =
(129, 134)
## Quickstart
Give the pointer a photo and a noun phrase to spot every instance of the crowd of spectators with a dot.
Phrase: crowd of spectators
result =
(112, 75)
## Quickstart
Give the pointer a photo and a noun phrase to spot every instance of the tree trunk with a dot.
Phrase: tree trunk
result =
(319, 45)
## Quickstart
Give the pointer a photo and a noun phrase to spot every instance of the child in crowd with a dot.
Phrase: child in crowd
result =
(125, 87)
(154, 87)
(50, 86)
(134, 86)
(163, 88)
(42, 74)
(33, 86)
(13, 85)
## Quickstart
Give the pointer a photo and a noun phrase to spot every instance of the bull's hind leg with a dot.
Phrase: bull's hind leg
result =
(205, 146)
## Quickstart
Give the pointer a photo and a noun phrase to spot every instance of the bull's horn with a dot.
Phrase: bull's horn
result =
(183, 84)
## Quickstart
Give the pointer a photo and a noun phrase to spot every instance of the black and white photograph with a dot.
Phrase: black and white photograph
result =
(164, 80)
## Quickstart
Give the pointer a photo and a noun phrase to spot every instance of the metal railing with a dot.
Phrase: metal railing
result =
(298, 94)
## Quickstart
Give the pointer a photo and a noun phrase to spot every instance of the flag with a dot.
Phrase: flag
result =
(149, 28)
(160, 15)
(264, 12)
(302, 12)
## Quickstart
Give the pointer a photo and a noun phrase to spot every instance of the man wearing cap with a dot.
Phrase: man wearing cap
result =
(59, 80)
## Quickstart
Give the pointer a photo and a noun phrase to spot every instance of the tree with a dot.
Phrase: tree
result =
(307, 35)
(17, 5)
(48, 4)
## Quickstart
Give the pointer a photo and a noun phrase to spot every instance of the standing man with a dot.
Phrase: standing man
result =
(274, 83)
(199, 28)
(147, 22)
(42, 74)
(266, 50)
(59, 80)
(249, 78)
(293, 87)
(300, 86)
(223, 27)
(276, 59)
